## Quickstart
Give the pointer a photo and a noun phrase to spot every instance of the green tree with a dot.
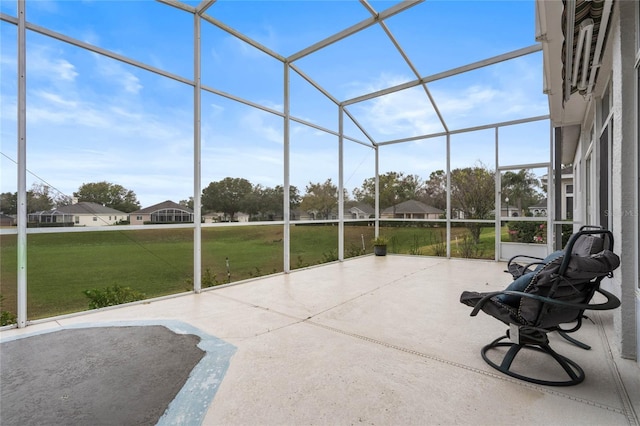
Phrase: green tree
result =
(434, 190)
(63, 200)
(472, 193)
(271, 201)
(255, 203)
(320, 199)
(187, 203)
(9, 202)
(39, 198)
(394, 189)
(228, 196)
(521, 188)
(108, 194)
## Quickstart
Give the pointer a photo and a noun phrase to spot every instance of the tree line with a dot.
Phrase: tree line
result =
(472, 195)
(42, 197)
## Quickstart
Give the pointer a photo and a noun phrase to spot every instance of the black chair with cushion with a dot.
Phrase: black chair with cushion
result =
(539, 302)
(521, 264)
(524, 265)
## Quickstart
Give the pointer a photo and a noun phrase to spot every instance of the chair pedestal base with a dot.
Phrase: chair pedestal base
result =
(573, 370)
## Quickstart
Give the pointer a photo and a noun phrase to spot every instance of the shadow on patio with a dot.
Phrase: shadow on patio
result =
(376, 340)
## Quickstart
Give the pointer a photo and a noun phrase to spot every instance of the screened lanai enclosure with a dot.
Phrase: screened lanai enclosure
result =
(292, 132)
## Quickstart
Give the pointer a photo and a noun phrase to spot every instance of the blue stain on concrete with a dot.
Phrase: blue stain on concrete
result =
(192, 402)
(190, 405)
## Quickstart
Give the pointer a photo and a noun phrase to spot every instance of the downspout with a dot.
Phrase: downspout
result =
(570, 15)
(602, 32)
(583, 52)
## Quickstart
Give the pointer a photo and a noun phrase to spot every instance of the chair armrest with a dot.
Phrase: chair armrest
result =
(533, 263)
(484, 300)
(612, 301)
(519, 260)
(524, 256)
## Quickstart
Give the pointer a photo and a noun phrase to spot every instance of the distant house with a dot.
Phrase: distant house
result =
(509, 210)
(539, 209)
(214, 217)
(299, 214)
(165, 212)
(79, 214)
(360, 211)
(6, 220)
(352, 210)
(411, 209)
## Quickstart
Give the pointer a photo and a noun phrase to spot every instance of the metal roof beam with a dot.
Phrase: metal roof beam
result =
(243, 37)
(394, 10)
(455, 71)
(202, 7)
(467, 130)
(314, 84)
(178, 5)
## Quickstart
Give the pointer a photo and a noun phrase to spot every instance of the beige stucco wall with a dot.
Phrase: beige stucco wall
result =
(100, 220)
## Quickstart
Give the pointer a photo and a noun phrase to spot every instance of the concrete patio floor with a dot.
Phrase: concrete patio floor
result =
(382, 341)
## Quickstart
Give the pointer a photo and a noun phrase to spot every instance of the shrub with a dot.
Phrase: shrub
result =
(208, 279)
(415, 248)
(440, 245)
(354, 250)
(380, 241)
(527, 232)
(468, 248)
(111, 296)
(6, 317)
(330, 256)
(301, 263)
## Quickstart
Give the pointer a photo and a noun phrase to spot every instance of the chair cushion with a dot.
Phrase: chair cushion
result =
(586, 245)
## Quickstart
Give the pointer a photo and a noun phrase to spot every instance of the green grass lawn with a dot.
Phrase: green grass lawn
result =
(158, 262)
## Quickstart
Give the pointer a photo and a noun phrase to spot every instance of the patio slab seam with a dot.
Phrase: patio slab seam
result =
(550, 391)
(344, 302)
(625, 410)
(621, 389)
(520, 383)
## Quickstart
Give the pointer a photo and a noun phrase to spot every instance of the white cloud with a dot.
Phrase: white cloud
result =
(115, 72)
(500, 93)
(88, 121)
(64, 70)
(46, 63)
(255, 121)
(56, 99)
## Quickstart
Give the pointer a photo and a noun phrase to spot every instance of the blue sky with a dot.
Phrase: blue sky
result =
(92, 118)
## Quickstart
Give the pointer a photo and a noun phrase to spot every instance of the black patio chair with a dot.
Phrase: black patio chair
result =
(556, 294)
(520, 265)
